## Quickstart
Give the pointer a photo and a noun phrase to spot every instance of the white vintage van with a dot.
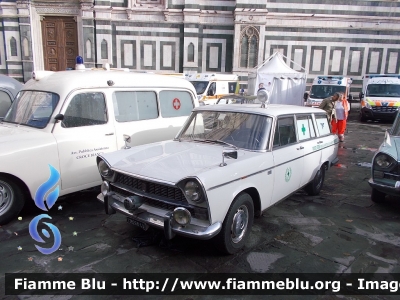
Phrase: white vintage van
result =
(60, 122)
(211, 86)
(227, 165)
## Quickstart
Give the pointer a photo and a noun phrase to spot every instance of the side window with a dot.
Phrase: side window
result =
(305, 127)
(232, 87)
(323, 124)
(285, 132)
(175, 104)
(5, 102)
(86, 109)
(135, 106)
(212, 89)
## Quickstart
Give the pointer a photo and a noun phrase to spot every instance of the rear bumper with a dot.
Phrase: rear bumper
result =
(160, 218)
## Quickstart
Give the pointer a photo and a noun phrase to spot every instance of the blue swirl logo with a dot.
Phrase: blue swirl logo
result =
(33, 230)
(45, 188)
(40, 198)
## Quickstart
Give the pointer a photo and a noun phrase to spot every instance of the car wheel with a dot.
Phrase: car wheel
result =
(314, 187)
(237, 225)
(362, 118)
(377, 196)
(12, 200)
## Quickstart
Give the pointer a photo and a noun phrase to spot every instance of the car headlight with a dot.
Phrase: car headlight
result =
(193, 191)
(105, 170)
(367, 105)
(383, 161)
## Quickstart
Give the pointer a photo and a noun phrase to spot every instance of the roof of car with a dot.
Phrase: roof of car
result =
(271, 109)
(63, 82)
(10, 84)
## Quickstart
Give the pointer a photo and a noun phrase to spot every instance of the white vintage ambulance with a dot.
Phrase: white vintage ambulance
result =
(61, 121)
(227, 165)
(211, 86)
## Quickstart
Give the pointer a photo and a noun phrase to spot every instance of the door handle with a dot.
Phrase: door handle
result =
(320, 142)
(300, 148)
(111, 133)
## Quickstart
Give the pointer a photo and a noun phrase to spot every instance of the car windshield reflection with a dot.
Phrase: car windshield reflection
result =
(383, 90)
(241, 130)
(200, 86)
(32, 108)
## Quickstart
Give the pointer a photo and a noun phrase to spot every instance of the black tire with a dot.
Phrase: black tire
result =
(377, 196)
(313, 188)
(12, 200)
(362, 118)
(241, 212)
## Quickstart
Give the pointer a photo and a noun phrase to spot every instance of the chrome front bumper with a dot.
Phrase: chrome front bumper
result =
(161, 219)
(387, 189)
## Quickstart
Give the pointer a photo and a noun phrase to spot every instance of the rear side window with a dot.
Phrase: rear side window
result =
(85, 109)
(323, 124)
(285, 132)
(305, 127)
(175, 104)
(135, 106)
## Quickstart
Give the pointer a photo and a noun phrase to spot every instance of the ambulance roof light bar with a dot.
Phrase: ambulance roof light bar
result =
(382, 75)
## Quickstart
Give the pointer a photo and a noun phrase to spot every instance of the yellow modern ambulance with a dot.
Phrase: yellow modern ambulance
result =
(326, 86)
(380, 97)
(211, 86)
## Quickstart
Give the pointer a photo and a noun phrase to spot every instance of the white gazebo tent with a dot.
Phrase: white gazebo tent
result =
(285, 85)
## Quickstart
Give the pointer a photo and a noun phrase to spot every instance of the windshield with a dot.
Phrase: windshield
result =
(32, 108)
(383, 90)
(200, 86)
(242, 130)
(324, 91)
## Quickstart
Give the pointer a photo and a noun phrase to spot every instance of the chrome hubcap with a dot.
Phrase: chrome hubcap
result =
(239, 224)
(5, 196)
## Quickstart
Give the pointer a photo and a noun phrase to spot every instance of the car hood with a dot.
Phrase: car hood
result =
(170, 161)
(391, 146)
(14, 138)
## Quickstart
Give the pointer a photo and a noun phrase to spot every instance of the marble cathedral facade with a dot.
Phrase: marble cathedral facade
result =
(349, 37)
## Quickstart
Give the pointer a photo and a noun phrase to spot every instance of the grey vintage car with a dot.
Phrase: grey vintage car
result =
(9, 88)
(385, 179)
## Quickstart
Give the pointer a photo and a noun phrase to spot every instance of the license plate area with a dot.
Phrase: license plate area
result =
(137, 223)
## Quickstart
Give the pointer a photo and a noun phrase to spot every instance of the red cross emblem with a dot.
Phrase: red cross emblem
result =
(176, 104)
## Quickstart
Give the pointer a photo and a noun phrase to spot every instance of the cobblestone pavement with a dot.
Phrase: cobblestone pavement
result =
(340, 230)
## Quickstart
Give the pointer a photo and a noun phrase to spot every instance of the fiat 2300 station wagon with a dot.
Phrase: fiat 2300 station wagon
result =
(226, 165)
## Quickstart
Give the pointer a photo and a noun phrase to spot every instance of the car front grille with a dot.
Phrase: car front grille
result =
(151, 188)
(384, 109)
(197, 212)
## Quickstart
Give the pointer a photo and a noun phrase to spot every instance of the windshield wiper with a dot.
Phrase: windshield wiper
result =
(215, 141)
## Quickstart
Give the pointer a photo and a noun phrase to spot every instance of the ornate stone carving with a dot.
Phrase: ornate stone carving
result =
(57, 10)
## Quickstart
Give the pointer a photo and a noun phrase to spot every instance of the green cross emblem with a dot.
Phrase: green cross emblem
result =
(303, 129)
(288, 174)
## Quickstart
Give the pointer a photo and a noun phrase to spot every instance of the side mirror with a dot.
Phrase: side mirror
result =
(59, 117)
(127, 139)
(361, 95)
(228, 154)
(305, 96)
(350, 97)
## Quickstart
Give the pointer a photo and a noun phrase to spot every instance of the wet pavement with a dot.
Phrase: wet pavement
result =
(341, 230)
